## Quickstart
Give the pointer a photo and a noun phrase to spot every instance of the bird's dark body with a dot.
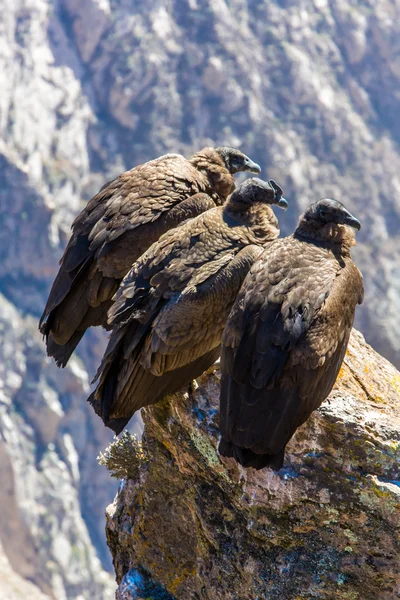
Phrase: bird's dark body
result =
(171, 309)
(116, 227)
(285, 341)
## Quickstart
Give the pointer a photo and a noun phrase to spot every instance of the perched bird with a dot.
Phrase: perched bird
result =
(287, 334)
(119, 224)
(171, 309)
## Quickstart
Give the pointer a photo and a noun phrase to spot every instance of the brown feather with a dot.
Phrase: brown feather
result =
(118, 225)
(285, 340)
(170, 310)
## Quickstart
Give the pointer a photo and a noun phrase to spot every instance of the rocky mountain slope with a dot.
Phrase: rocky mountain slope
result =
(15, 587)
(325, 526)
(308, 89)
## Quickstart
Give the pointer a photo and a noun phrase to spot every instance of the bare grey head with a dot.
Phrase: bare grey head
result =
(328, 211)
(236, 161)
(256, 190)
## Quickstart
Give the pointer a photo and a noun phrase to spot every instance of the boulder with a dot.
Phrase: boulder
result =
(190, 525)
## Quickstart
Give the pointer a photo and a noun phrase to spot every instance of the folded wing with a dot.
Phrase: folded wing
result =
(168, 317)
(283, 346)
(115, 228)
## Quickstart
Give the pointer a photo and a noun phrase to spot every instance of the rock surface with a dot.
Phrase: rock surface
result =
(13, 586)
(50, 479)
(309, 89)
(325, 526)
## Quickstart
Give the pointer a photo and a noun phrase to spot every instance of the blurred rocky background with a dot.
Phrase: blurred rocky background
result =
(309, 89)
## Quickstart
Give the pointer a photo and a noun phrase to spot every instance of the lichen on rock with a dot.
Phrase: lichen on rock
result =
(325, 526)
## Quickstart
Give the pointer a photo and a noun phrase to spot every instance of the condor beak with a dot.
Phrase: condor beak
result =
(251, 166)
(351, 221)
(283, 203)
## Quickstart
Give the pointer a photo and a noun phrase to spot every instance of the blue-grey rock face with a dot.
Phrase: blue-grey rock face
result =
(308, 89)
(138, 585)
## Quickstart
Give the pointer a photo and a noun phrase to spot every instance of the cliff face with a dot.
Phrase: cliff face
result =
(325, 526)
(308, 89)
(15, 587)
(51, 484)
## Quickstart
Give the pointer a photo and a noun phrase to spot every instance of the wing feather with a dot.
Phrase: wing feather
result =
(116, 227)
(179, 336)
(284, 343)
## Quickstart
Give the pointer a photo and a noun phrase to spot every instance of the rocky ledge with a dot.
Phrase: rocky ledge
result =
(189, 526)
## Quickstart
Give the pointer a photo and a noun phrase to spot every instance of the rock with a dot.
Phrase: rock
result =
(309, 89)
(13, 586)
(50, 481)
(53, 493)
(325, 526)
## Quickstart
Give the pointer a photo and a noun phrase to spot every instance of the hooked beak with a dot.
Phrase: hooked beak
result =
(351, 221)
(251, 166)
(283, 203)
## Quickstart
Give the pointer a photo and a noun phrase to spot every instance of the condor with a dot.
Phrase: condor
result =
(119, 224)
(171, 309)
(287, 334)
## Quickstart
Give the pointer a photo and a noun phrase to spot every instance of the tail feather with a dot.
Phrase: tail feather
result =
(59, 291)
(68, 313)
(63, 283)
(116, 406)
(248, 458)
(76, 254)
(103, 396)
(62, 353)
(146, 388)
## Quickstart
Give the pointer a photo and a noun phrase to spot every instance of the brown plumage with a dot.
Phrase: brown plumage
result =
(171, 309)
(287, 334)
(119, 224)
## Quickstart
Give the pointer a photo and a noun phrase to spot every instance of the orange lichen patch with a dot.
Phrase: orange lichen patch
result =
(176, 582)
(395, 383)
(380, 399)
(169, 445)
(304, 529)
(342, 373)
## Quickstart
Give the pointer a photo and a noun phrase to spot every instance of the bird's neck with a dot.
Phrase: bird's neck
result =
(220, 180)
(258, 216)
(205, 158)
(338, 238)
